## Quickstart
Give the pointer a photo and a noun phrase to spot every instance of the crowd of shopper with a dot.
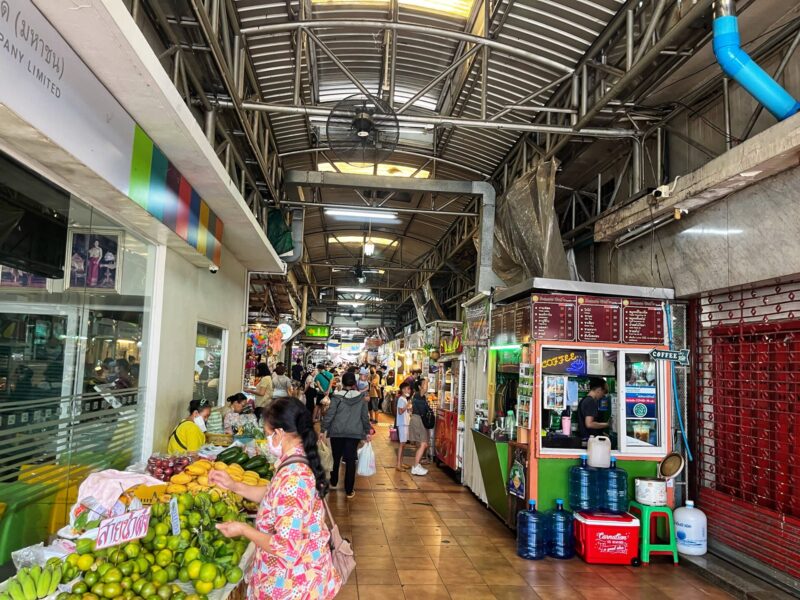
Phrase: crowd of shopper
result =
(303, 408)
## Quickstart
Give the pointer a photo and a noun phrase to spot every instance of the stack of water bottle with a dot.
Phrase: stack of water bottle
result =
(590, 488)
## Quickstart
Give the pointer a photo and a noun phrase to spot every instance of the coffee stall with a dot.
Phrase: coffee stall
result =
(552, 341)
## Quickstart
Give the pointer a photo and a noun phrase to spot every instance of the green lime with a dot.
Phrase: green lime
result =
(138, 585)
(159, 577)
(164, 557)
(183, 575)
(164, 592)
(193, 568)
(113, 575)
(172, 572)
(91, 578)
(208, 572)
(98, 588)
(190, 555)
(126, 583)
(220, 581)
(234, 575)
(132, 550)
(112, 590)
(160, 542)
(80, 588)
(148, 590)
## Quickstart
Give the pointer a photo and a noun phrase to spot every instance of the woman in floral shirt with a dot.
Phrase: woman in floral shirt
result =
(293, 557)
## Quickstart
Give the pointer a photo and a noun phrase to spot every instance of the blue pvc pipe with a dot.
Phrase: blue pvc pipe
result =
(736, 63)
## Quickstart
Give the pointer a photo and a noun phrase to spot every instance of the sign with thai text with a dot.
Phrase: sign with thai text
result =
(124, 528)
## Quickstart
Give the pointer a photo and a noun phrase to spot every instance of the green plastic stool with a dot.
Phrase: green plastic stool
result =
(648, 516)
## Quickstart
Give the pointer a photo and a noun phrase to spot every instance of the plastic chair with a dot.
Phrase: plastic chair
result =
(649, 516)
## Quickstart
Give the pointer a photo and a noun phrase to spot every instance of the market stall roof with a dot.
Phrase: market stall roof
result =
(537, 43)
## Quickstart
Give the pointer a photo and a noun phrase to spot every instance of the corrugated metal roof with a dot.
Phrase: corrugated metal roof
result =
(558, 30)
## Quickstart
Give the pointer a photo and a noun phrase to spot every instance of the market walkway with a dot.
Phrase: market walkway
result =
(425, 538)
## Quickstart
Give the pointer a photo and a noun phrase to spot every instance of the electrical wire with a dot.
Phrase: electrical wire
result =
(675, 395)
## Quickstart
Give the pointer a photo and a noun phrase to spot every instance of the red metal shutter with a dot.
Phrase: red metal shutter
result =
(747, 411)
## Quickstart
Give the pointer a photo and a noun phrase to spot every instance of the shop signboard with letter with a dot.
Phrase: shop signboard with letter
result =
(564, 361)
(679, 356)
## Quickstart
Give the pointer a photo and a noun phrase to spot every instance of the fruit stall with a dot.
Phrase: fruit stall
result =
(148, 533)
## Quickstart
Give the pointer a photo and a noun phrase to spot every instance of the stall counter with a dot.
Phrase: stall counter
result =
(553, 478)
(493, 460)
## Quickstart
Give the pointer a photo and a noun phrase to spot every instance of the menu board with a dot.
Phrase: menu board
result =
(522, 322)
(508, 325)
(642, 322)
(497, 324)
(553, 317)
(599, 319)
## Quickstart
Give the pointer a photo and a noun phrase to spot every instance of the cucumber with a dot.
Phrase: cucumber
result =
(228, 455)
(255, 463)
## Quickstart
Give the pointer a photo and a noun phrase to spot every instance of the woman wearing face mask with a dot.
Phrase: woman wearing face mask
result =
(293, 559)
(190, 434)
(346, 423)
(402, 421)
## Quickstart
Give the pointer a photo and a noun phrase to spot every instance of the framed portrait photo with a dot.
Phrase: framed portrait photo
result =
(94, 259)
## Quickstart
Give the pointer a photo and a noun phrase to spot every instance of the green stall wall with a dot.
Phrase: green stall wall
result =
(554, 478)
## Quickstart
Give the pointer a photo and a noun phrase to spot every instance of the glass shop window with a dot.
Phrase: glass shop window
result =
(209, 355)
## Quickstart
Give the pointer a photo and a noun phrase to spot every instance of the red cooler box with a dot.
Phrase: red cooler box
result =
(606, 538)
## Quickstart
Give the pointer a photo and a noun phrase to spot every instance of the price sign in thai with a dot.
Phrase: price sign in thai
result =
(642, 322)
(174, 516)
(553, 317)
(124, 528)
(599, 319)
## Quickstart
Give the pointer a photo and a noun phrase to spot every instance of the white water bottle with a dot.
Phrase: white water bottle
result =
(690, 530)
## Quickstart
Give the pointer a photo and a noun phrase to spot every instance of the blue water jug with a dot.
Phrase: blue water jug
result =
(614, 488)
(583, 486)
(531, 533)
(561, 537)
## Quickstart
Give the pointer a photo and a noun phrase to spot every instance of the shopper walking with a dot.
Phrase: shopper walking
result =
(416, 430)
(346, 423)
(309, 390)
(402, 420)
(293, 558)
(263, 391)
(374, 394)
(281, 383)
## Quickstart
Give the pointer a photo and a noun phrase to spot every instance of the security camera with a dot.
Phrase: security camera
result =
(213, 269)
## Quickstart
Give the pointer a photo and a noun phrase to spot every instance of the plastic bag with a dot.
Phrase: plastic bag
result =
(366, 461)
(325, 455)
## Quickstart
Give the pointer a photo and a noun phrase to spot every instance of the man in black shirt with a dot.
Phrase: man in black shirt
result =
(297, 371)
(589, 411)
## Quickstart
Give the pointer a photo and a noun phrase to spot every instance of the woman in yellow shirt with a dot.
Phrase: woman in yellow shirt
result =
(190, 434)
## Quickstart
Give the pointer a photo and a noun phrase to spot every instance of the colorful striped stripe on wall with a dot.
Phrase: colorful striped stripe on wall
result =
(157, 186)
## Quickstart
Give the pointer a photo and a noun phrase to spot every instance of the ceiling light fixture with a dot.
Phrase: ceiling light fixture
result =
(349, 303)
(369, 248)
(354, 290)
(361, 214)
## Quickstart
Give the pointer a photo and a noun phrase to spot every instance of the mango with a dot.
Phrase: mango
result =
(176, 488)
(181, 478)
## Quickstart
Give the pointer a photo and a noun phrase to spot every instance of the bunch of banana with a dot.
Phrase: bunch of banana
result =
(34, 583)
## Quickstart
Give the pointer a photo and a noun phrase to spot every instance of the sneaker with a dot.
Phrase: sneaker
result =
(351, 495)
(419, 471)
(333, 486)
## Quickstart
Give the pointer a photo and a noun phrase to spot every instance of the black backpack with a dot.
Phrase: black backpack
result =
(429, 419)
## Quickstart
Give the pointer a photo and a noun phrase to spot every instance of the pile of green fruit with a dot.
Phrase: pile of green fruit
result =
(151, 567)
(34, 583)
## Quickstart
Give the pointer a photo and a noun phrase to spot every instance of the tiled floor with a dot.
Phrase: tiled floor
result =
(426, 538)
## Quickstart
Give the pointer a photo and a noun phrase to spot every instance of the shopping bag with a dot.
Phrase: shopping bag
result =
(366, 461)
(325, 455)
